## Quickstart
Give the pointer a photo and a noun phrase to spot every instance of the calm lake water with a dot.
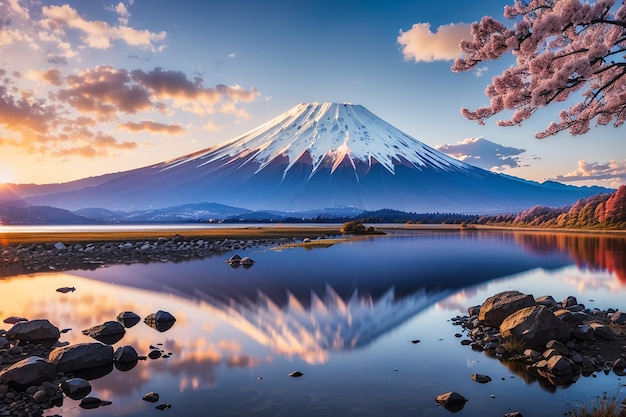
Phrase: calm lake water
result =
(344, 316)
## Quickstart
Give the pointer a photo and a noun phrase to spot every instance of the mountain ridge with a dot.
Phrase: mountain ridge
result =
(312, 156)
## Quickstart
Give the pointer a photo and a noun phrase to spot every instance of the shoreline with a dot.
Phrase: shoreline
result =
(8, 238)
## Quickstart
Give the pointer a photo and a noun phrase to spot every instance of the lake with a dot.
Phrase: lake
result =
(345, 316)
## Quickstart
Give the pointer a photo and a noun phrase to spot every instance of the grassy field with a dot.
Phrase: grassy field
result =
(272, 232)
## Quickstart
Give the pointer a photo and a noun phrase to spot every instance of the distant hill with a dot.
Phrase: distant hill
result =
(18, 212)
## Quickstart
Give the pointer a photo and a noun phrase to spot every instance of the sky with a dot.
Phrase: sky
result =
(89, 88)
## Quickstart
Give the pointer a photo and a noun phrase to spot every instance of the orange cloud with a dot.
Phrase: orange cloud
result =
(420, 44)
(152, 127)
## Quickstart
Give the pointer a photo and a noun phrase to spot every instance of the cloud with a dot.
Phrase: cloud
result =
(484, 154)
(98, 34)
(25, 113)
(211, 127)
(152, 127)
(615, 171)
(420, 44)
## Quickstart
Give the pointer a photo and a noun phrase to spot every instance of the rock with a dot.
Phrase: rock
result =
(128, 319)
(81, 356)
(451, 401)
(14, 319)
(535, 326)
(483, 379)
(151, 397)
(246, 262)
(569, 302)
(161, 320)
(4, 343)
(76, 388)
(39, 396)
(546, 300)
(568, 317)
(557, 346)
(561, 366)
(514, 414)
(618, 317)
(295, 374)
(126, 354)
(583, 332)
(59, 246)
(65, 290)
(473, 311)
(415, 341)
(89, 403)
(588, 366)
(235, 259)
(603, 332)
(27, 372)
(497, 307)
(108, 333)
(532, 354)
(34, 331)
(619, 364)
(163, 406)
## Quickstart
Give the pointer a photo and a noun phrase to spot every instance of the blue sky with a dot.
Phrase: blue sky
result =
(89, 88)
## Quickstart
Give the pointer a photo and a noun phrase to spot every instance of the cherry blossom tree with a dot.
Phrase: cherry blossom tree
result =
(564, 49)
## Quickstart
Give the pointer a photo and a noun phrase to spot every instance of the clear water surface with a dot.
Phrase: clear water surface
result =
(345, 316)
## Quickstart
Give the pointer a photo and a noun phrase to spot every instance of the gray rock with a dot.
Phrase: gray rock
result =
(603, 332)
(161, 320)
(81, 356)
(587, 365)
(295, 374)
(76, 388)
(59, 246)
(109, 332)
(546, 300)
(535, 326)
(39, 396)
(451, 401)
(128, 319)
(498, 307)
(619, 364)
(569, 302)
(473, 311)
(126, 354)
(483, 379)
(569, 317)
(514, 414)
(28, 372)
(34, 331)
(151, 397)
(4, 343)
(558, 346)
(583, 332)
(562, 366)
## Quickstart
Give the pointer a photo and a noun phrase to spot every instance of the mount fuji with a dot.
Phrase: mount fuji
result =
(315, 155)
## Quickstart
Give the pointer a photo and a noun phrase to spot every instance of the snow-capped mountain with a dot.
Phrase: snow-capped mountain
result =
(313, 156)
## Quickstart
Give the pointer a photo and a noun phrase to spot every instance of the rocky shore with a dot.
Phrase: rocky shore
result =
(543, 340)
(59, 256)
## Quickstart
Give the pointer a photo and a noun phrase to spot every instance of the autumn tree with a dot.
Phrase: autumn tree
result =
(561, 47)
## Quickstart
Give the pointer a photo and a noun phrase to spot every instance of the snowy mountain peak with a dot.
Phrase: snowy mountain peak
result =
(326, 135)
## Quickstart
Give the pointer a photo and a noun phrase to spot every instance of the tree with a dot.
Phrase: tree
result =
(561, 47)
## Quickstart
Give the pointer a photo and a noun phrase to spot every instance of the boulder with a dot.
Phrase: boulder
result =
(603, 332)
(81, 356)
(535, 326)
(109, 332)
(569, 317)
(547, 300)
(451, 401)
(498, 307)
(583, 332)
(28, 372)
(76, 388)
(483, 379)
(34, 331)
(560, 365)
(618, 317)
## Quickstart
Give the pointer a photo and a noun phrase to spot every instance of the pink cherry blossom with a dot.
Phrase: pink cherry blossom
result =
(564, 49)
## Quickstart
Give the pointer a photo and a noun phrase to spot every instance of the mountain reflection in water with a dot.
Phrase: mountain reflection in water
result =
(355, 306)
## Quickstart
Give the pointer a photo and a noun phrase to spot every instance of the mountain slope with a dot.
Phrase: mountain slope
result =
(313, 156)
